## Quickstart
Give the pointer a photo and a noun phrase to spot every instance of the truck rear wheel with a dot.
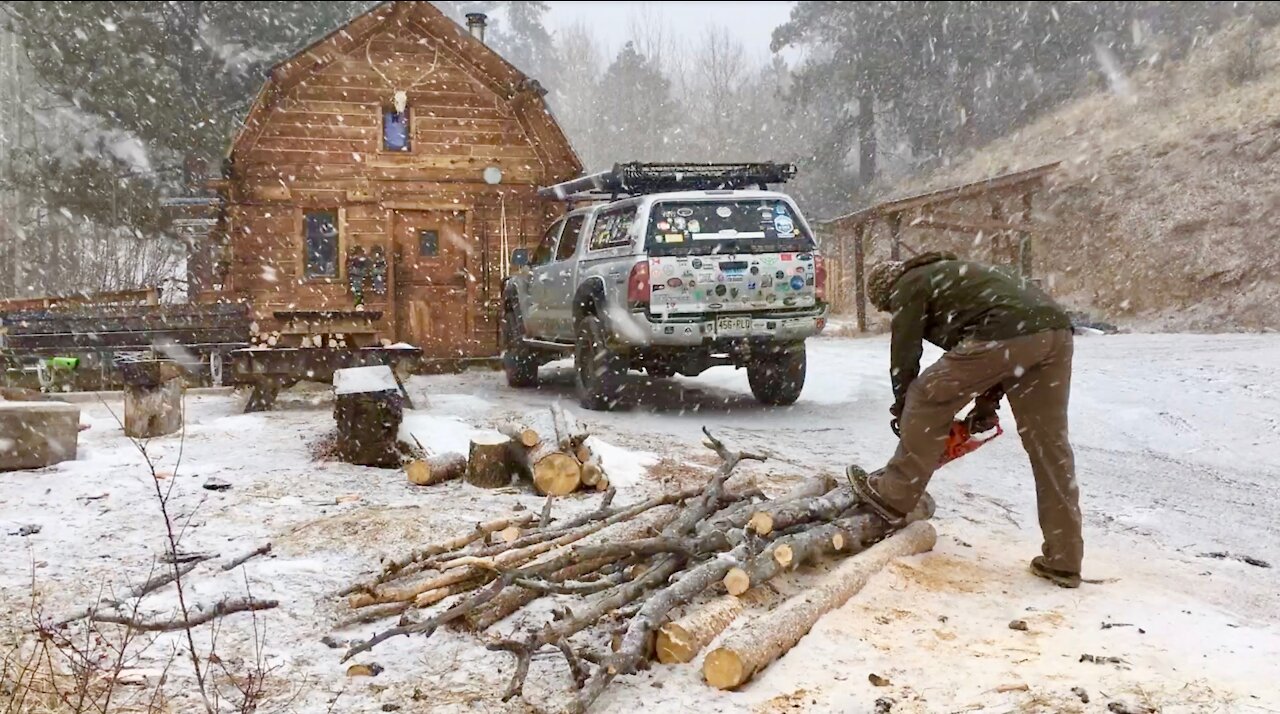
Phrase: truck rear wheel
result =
(518, 361)
(777, 378)
(599, 371)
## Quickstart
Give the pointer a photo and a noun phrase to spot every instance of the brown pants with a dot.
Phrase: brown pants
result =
(1035, 371)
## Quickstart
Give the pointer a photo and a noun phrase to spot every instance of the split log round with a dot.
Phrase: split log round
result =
(436, 469)
(681, 640)
(554, 472)
(752, 648)
(489, 465)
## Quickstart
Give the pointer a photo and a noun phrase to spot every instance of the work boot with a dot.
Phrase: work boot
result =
(858, 479)
(1061, 578)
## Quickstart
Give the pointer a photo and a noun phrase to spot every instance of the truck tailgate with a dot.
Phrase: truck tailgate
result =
(728, 283)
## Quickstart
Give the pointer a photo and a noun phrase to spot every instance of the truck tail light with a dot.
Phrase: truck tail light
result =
(638, 284)
(820, 278)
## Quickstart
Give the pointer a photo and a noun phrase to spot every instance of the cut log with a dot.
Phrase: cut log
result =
(681, 640)
(602, 484)
(489, 465)
(509, 534)
(431, 597)
(841, 537)
(436, 469)
(520, 434)
(738, 517)
(762, 641)
(761, 523)
(569, 434)
(592, 471)
(553, 472)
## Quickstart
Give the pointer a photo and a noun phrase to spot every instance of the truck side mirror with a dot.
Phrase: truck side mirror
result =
(520, 257)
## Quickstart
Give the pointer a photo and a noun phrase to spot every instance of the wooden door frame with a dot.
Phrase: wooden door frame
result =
(468, 223)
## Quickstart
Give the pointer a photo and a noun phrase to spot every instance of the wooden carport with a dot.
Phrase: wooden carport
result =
(992, 218)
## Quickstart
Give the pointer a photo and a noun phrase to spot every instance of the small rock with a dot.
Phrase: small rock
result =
(216, 484)
(332, 642)
(139, 677)
(878, 681)
(1081, 694)
(884, 705)
(347, 498)
(1101, 659)
(389, 707)
(942, 619)
(1122, 708)
(1020, 625)
(656, 685)
(28, 530)
(364, 670)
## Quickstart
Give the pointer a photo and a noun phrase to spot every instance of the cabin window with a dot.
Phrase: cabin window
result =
(395, 130)
(322, 244)
(428, 243)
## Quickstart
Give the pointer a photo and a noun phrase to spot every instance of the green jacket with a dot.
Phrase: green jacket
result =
(946, 301)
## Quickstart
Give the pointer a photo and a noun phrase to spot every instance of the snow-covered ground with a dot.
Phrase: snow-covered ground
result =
(1178, 446)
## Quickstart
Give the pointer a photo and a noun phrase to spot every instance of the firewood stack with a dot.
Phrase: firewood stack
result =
(549, 449)
(660, 579)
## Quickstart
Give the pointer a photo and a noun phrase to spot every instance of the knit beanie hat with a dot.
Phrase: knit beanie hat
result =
(881, 280)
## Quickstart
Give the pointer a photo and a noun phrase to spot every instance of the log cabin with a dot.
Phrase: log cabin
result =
(378, 183)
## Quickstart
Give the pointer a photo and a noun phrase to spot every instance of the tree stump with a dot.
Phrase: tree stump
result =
(152, 398)
(37, 434)
(368, 409)
(489, 463)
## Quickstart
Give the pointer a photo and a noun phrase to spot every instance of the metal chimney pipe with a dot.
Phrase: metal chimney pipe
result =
(476, 22)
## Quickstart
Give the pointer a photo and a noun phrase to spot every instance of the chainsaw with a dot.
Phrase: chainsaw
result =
(961, 439)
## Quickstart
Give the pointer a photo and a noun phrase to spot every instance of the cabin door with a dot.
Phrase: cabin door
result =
(431, 285)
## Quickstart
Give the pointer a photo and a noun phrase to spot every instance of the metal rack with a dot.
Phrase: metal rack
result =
(636, 179)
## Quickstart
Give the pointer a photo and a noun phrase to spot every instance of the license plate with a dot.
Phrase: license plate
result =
(729, 326)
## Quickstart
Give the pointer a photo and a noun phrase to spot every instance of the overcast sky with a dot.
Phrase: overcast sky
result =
(751, 22)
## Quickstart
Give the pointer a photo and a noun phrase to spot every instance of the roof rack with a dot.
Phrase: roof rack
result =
(636, 178)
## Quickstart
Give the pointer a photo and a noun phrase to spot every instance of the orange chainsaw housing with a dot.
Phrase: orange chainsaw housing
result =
(961, 441)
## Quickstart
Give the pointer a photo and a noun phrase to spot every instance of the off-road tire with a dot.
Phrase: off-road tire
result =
(518, 361)
(777, 378)
(660, 372)
(599, 371)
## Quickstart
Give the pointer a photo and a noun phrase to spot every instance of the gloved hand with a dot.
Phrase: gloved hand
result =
(983, 416)
(896, 411)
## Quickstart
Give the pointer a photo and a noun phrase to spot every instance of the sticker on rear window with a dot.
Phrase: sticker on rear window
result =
(783, 225)
(724, 211)
(684, 212)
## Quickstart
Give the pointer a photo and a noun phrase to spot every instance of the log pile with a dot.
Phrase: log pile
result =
(660, 579)
(550, 450)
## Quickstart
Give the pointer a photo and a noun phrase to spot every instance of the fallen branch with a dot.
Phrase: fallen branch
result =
(220, 609)
(152, 584)
(260, 550)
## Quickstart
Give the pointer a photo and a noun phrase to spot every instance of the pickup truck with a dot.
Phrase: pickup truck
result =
(668, 283)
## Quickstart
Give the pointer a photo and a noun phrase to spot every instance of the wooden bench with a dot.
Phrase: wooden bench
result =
(269, 370)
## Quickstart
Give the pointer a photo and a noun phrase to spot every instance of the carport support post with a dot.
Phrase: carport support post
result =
(1024, 237)
(859, 281)
(895, 236)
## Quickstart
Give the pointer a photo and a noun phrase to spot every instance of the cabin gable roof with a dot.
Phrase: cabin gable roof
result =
(522, 95)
